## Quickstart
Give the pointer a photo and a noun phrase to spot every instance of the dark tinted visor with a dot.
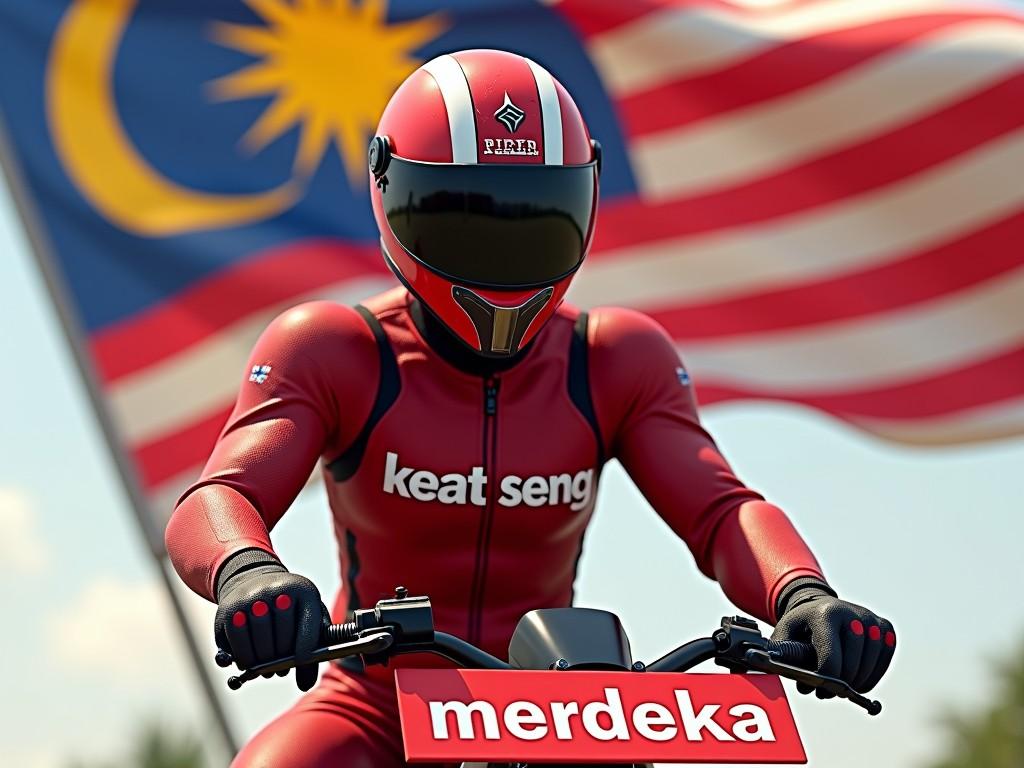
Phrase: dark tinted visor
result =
(501, 226)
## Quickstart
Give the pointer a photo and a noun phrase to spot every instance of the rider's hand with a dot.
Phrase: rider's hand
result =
(264, 612)
(851, 642)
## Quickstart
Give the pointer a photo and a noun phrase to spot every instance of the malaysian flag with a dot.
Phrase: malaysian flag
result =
(823, 201)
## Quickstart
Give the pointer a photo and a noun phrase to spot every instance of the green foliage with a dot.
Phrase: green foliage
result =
(993, 737)
(156, 746)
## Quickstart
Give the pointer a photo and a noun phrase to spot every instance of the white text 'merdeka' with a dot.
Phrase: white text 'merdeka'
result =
(576, 490)
(604, 720)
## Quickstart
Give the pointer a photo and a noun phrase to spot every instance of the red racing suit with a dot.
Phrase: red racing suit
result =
(473, 489)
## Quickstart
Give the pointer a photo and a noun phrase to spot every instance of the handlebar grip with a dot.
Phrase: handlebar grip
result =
(793, 653)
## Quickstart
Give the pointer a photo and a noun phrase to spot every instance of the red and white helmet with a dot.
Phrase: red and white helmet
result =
(483, 179)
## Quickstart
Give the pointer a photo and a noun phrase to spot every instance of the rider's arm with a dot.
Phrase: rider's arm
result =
(649, 421)
(307, 387)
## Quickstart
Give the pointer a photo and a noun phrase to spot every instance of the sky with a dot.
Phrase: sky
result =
(929, 538)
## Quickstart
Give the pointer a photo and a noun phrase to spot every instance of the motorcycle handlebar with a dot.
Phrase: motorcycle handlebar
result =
(465, 654)
(382, 632)
(686, 656)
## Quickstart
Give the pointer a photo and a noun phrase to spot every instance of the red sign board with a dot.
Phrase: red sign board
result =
(595, 717)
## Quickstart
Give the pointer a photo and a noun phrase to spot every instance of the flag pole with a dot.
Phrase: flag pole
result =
(40, 248)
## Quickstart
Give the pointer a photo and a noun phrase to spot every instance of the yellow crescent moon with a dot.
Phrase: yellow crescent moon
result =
(97, 152)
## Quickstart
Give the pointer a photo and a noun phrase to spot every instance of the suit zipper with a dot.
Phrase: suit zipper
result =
(489, 450)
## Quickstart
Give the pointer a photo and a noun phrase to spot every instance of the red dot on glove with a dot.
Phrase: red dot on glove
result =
(283, 602)
(890, 639)
(238, 619)
(259, 608)
(875, 633)
(857, 627)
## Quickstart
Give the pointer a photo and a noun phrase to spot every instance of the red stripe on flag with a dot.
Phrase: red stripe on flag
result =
(591, 18)
(264, 280)
(170, 455)
(900, 153)
(929, 274)
(983, 382)
(594, 17)
(778, 71)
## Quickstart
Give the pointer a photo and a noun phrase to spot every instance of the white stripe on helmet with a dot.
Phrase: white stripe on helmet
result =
(550, 112)
(451, 80)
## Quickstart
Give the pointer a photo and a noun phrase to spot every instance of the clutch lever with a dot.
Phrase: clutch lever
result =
(763, 661)
(374, 642)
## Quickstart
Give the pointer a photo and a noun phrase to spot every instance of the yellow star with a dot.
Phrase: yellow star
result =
(331, 67)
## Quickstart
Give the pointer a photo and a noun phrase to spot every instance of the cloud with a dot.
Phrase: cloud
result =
(22, 549)
(123, 632)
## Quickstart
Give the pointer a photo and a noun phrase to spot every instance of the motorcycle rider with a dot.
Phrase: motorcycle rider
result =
(462, 421)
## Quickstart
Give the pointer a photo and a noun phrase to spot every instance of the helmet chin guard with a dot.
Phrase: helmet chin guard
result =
(500, 329)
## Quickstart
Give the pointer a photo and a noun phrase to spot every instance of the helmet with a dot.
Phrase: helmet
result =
(483, 180)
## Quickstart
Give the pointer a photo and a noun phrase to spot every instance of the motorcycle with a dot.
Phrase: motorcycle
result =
(593, 645)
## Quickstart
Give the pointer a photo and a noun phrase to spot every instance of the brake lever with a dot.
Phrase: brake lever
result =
(762, 661)
(375, 642)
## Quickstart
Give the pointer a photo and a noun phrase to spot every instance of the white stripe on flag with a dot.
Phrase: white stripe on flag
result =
(550, 114)
(987, 422)
(860, 104)
(881, 349)
(684, 42)
(205, 377)
(960, 196)
(458, 102)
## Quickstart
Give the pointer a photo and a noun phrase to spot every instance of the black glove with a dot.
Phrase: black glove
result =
(852, 643)
(264, 612)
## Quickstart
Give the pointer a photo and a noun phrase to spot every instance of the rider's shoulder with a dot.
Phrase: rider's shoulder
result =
(619, 330)
(319, 327)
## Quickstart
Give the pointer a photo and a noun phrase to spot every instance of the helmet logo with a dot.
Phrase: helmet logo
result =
(509, 115)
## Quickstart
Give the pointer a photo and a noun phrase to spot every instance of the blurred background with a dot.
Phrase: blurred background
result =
(822, 200)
